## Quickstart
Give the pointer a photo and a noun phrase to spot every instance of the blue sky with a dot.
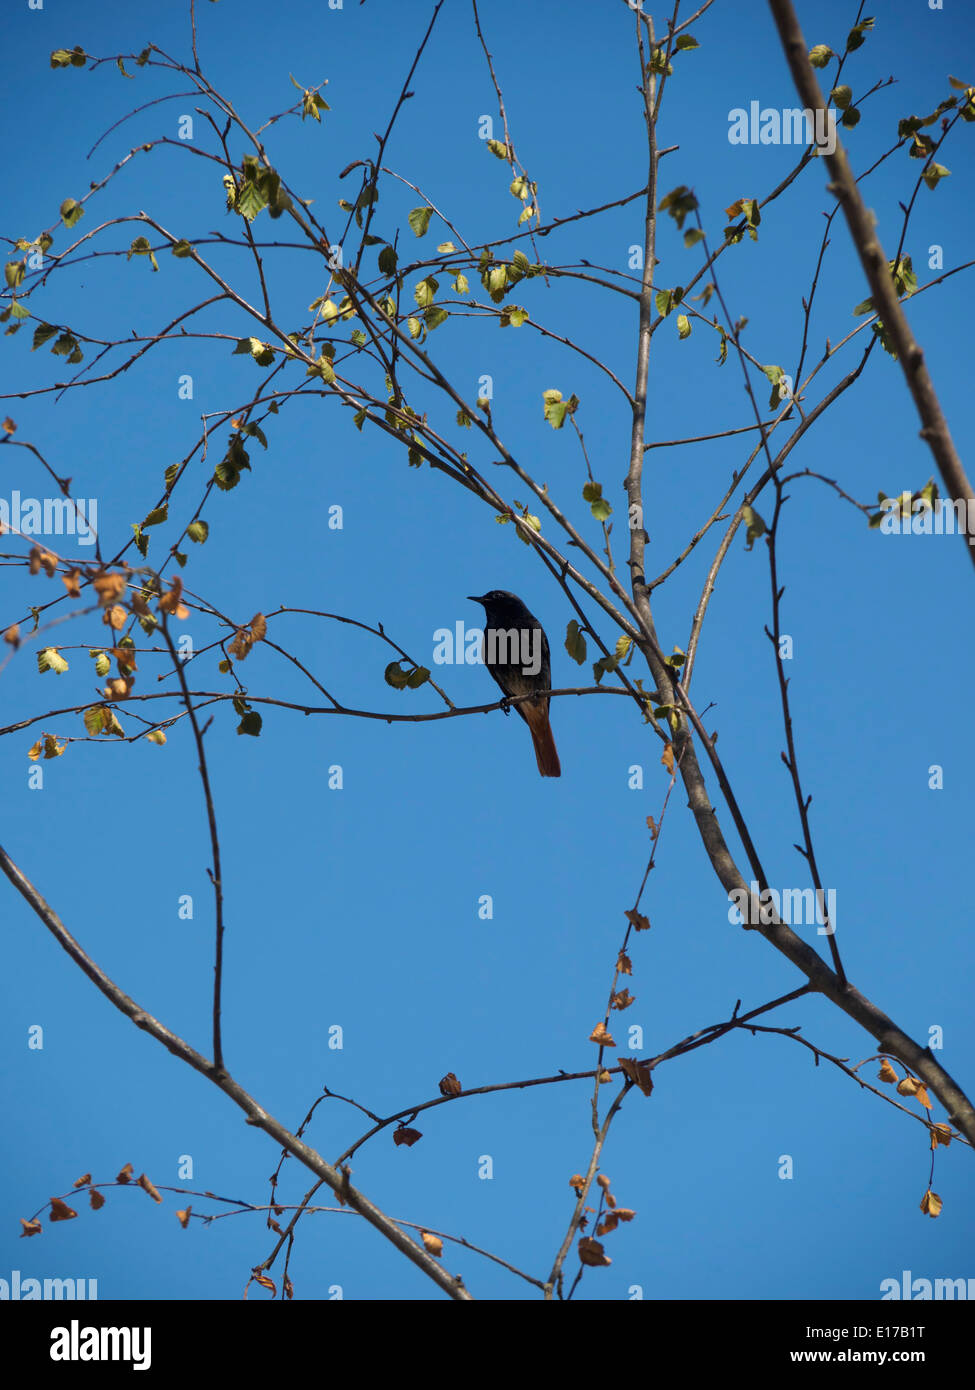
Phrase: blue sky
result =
(358, 908)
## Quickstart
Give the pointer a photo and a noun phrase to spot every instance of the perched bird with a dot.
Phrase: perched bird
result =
(516, 653)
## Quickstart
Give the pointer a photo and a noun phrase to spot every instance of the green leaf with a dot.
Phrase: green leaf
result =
(685, 41)
(820, 55)
(756, 526)
(514, 315)
(71, 212)
(498, 149)
(419, 220)
(156, 516)
(198, 531)
(426, 291)
(841, 97)
(434, 317)
(388, 260)
(575, 642)
(63, 57)
(251, 724)
(121, 68)
(141, 247)
(598, 505)
(934, 173)
(14, 272)
(181, 248)
(683, 326)
(850, 118)
(855, 37)
(228, 471)
(678, 203)
(50, 659)
(693, 236)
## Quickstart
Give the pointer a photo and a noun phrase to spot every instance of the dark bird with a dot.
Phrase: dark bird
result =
(516, 653)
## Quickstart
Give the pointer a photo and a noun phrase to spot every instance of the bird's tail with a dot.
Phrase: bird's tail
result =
(546, 754)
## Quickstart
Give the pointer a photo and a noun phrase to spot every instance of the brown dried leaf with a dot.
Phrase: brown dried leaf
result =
(931, 1203)
(577, 1182)
(653, 827)
(287, 1288)
(258, 626)
(605, 1077)
(406, 1136)
(623, 964)
(449, 1085)
(624, 1213)
(60, 1211)
(638, 1072)
(72, 582)
(603, 1182)
(668, 758)
(116, 617)
(622, 999)
(31, 1228)
(591, 1252)
(147, 1186)
(607, 1224)
(637, 919)
(126, 1174)
(184, 1217)
(940, 1134)
(118, 687)
(109, 585)
(125, 656)
(41, 559)
(887, 1073)
(908, 1086)
(432, 1244)
(95, 1199)
(601, 1035)
(9, 426)
(12, 635)
(172, 601)
(82, 1182)
(922, 1097)
(264, 1281)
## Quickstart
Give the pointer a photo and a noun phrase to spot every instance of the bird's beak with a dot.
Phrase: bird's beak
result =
(474, 599)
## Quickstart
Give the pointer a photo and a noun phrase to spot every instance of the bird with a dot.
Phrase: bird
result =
(517, 655)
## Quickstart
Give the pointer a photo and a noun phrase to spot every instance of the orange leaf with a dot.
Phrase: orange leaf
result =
(887, 1073)
(931, 1204)
(601, 1035)
(184, 1217)
(433, 1244)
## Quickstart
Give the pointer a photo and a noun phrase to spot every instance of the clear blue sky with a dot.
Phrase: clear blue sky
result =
(358, 907)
